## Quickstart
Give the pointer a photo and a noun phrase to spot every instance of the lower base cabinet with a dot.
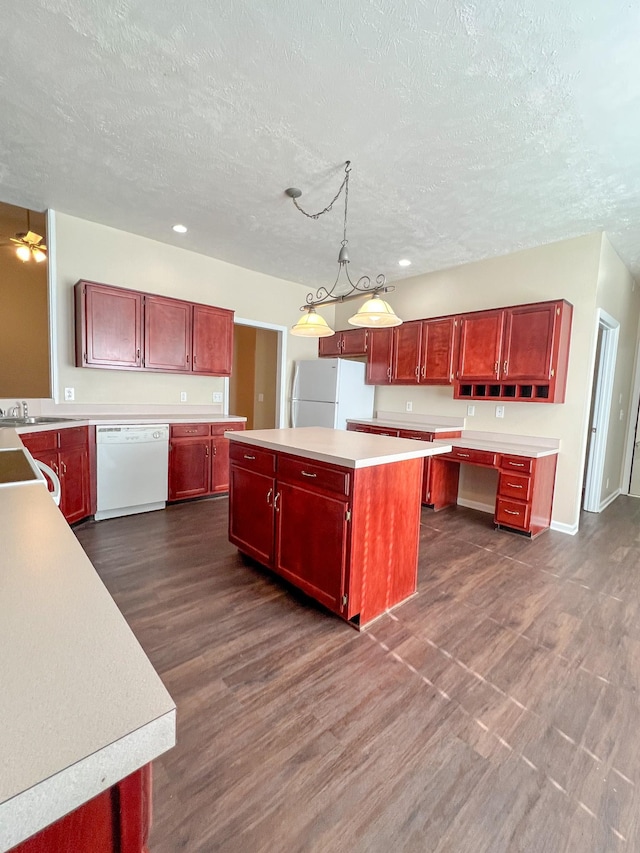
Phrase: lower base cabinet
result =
(346, 537)
(67, 452)
(116, 821)
(199, 459)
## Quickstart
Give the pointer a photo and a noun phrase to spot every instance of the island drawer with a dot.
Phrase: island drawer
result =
(416, 435)
(512, 513)
(515, 486)
(376, 430)
(295, 469)
(522, 464)
(476, 457)
(189, 430)
(255, 458)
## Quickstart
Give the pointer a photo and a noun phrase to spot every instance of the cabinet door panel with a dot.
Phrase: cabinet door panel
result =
(167, 334)
(330, 346)
(312, 543)
(438, 338)
(528, 345)
(189, 467)
(380, 354)
(480, 346)
(212, 340)
(113, 326)
(354, 341)
(251, 525)
(220, 464)
(406, 354)
(74, 482)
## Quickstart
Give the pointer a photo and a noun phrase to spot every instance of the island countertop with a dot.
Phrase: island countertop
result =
(81, 705)
(339, 447)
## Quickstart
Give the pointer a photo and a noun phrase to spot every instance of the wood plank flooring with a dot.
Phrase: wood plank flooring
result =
(496, 711)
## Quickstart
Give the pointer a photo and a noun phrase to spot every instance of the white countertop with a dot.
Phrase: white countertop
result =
(339, 447)
(97, 420)
(424, 426)
(80, 704)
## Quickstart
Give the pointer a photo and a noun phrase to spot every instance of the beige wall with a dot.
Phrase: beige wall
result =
(618, 295)
(242, 382)
(98, 253)
(565, 270)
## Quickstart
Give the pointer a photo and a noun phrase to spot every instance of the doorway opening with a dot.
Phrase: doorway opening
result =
(256, 387)
(603, 376)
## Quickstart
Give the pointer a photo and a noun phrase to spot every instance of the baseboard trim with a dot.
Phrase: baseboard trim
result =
(569, 529)
(605, 503)
(490, 508)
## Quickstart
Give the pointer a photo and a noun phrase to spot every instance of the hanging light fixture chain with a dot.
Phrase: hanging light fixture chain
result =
(344, 185)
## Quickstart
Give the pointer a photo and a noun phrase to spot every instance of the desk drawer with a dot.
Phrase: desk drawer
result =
(305, 472)
(475, 457)
(522, 464)
(416, 435)
(384, 431)
(254, 458)
(189, 430)
(514, 486)
(513, 513)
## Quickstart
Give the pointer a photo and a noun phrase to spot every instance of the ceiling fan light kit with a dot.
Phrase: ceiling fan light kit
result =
(29, 244)
(374, 313)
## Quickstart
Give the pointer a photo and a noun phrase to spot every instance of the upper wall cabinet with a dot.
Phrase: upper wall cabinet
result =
(128, 330)
(351, 342)
(419, 352)
(518, 353)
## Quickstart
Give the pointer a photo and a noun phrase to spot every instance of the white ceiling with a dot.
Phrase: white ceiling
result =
(475, 129)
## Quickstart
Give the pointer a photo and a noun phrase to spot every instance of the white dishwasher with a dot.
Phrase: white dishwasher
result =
(132, 469)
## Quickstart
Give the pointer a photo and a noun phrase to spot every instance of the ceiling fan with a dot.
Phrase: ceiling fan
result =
(29, 244)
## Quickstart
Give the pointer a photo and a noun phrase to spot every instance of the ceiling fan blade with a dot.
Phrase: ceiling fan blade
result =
(32, 238)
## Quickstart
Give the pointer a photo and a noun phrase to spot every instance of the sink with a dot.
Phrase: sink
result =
(17, 422)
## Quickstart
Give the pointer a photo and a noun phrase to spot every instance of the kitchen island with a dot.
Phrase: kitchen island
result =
(83, 711)
(335, 513)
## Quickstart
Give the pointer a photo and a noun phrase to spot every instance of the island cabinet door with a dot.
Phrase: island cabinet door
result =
(312, 532)
(252, 497)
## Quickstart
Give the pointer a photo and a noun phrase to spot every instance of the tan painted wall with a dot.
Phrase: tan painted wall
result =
(242, 382)
(619, 296)
(24, 312)
(264, 410)
(568, 270)
(98, 253)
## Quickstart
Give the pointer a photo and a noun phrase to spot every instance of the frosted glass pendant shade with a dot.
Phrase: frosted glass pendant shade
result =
(312, 325)
(375, 313)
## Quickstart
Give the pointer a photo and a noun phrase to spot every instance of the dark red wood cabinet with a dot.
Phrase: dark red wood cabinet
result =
(380, 355)
(199, 459)
(167, 334)
(351, 342)
(108, 327)
(346, 537)
(518, 353)
(130, 330)
(116, 821)
(67, 452)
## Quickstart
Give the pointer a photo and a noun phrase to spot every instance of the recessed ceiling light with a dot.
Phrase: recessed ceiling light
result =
(404, 263)
(180, 229)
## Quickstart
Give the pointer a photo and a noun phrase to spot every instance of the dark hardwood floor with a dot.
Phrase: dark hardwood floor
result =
(495, 711)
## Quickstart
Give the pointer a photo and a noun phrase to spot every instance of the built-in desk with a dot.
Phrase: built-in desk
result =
(526, 468)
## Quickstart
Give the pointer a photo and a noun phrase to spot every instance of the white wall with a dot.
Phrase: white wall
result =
(565, 270)
(86, 250)
(619, 296)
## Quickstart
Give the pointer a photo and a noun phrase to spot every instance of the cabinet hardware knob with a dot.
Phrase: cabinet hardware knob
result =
(187, 359)
(247, 456)
(55, 468)
(417, 372)
(195, 360)
(504, 368)
(63, 466)
(206, 451)
(275, 502)
(138, 353)
(517, 464)
(463, 455)
(514, 486)
(511, 512)
(495, 368)
(308, 474)
(269, 493)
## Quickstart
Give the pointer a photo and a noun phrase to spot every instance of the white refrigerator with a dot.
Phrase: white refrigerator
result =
(327, 391)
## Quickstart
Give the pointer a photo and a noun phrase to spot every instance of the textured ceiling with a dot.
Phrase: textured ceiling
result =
(475, 129)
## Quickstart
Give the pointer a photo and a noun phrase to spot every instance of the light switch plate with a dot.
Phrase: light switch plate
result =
(499, 411)
(471, 410)
(183, 396)
(409, 406)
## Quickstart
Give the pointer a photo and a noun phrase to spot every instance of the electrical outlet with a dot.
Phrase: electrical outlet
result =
(261, 398)
(471, 410)
(499, 411)
(217, 396)
(621, 414)
(409, 406)
(183, 396)
(69, 394)
(607, 485)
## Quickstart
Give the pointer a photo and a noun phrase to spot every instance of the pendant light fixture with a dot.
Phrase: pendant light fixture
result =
(29, 244)
(374, 313)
